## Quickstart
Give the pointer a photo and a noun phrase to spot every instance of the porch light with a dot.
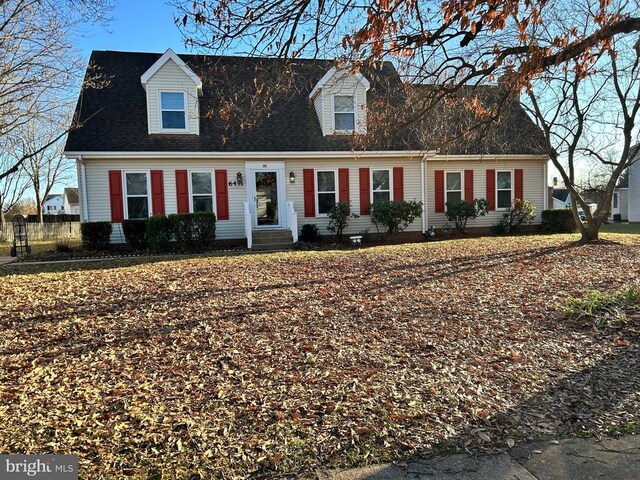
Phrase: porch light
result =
(292, 177)
(239, 178)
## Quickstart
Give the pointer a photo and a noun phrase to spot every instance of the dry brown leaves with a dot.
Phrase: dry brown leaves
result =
(257, 365)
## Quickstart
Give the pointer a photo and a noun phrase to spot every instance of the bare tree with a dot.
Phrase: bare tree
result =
(46, 167)
(543, 51)
(39, 63)
(12, 189)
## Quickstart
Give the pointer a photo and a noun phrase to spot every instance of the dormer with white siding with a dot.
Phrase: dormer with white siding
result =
(173, 90)
(340, 101)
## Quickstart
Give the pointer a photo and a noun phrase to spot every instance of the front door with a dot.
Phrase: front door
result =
(266, 195)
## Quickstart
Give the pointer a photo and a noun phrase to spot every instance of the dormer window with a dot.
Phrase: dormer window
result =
(173, 111)
(344, 113)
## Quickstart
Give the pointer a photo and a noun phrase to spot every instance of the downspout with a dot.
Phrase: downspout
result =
(84, 209)
(545, 197)
(424, 194)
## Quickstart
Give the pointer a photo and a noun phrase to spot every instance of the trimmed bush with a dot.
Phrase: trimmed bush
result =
(461, 212)
(395, 216)
(310, 233)
(192, 229)
(559, 220)
(95, 235)
(159, 233)
(135, 232)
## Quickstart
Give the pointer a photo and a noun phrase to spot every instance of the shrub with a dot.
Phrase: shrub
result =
(521, 212)
(204, 228)
(95, 235)
(395, 216)
(339, 216)
(461, 212)
(194, 228)
(63, 246)
(159, 233)
(310, 233)
(558, 220)
(135, 232)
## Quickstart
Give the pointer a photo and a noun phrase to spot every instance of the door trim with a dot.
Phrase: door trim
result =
(250, 169)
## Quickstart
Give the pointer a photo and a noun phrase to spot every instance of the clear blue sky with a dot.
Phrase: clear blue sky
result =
(137, 25)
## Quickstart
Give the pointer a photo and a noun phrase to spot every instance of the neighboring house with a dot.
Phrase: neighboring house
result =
(71, 203)
(164, 137)
(626, 196)
(53, 204)
(561, 198)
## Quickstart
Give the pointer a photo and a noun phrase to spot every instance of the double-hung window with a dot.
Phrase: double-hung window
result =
(344, 113)
(381, 186)
(136, 190)
(173, 112)
(201, 191)
(454, 188)
(504, 189)
(615, 200)
(326, 188)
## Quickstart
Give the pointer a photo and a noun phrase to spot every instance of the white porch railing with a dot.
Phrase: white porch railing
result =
(248, 223)
(292, 221)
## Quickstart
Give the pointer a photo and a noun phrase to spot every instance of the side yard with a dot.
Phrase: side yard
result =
(262, 365)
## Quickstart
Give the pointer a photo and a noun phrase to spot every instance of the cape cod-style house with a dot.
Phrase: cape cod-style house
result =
(174, 133)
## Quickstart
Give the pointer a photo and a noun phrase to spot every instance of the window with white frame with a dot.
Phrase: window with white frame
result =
(344, 113)
(326, 196)
(381, 186)
(136, 190)
(615, 200)
(504, 189)
(201, 191)
(173, 112)
(453, 192)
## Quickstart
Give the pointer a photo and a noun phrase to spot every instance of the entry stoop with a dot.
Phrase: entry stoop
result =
(272, 240)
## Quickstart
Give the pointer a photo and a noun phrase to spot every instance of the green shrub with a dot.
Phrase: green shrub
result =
(159, 233)
(394, 216)
(95, 235)
(522, 212)
(191, 229)
(461, 212)
(310, 233)
(135, 233)
(339, 216)
(203, 228)
(558, 220)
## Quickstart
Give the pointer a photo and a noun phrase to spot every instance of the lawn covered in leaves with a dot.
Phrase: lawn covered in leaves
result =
(259, 365)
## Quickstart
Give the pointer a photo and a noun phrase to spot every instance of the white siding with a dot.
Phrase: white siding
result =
(171, 77)
(634, 192)
(97, 172)
(342, 83)
(534, 185)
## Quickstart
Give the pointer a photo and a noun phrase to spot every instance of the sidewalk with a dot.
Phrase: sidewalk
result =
(5, 259)
(574, 459)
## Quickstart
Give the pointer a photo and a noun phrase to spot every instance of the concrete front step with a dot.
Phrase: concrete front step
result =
(257, 247)
(272, 239)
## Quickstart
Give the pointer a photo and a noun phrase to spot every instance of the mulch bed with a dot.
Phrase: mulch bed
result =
(263, 365)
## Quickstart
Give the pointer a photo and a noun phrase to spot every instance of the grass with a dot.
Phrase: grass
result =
(280, 364)
(627, 228)
(38, 246)
(604, 307)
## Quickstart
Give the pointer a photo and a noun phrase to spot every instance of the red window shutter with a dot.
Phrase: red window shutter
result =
(308, 185)
(439, 189)
(491, 189)
(468, 185)
(398, 184)
(157, 192)
(365, 192)
(115, 195)
(343, 184)
(222, 195)
(519, 184)
(182, 191)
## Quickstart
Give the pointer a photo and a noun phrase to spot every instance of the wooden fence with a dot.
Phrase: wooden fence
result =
(43, 231)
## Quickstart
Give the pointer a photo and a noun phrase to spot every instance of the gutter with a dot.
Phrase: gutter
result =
(250, 155)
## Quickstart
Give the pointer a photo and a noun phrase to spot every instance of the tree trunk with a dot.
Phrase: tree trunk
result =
(590, 231)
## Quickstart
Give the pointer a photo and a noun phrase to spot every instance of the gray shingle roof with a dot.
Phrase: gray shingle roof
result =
(282, 119)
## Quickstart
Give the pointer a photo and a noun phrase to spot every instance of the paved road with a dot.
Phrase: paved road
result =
(575, 459)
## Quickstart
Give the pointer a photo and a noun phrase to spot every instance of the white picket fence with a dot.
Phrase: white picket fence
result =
(43, 231)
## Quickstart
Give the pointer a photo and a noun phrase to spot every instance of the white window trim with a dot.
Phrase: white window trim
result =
(213, 189)
(185, 97)
(126, 195)
(446, 191)
(333, 113)
(390, 170)
(335, 186)
(504, 209)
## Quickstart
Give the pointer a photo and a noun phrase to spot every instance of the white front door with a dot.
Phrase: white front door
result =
(266, 194)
